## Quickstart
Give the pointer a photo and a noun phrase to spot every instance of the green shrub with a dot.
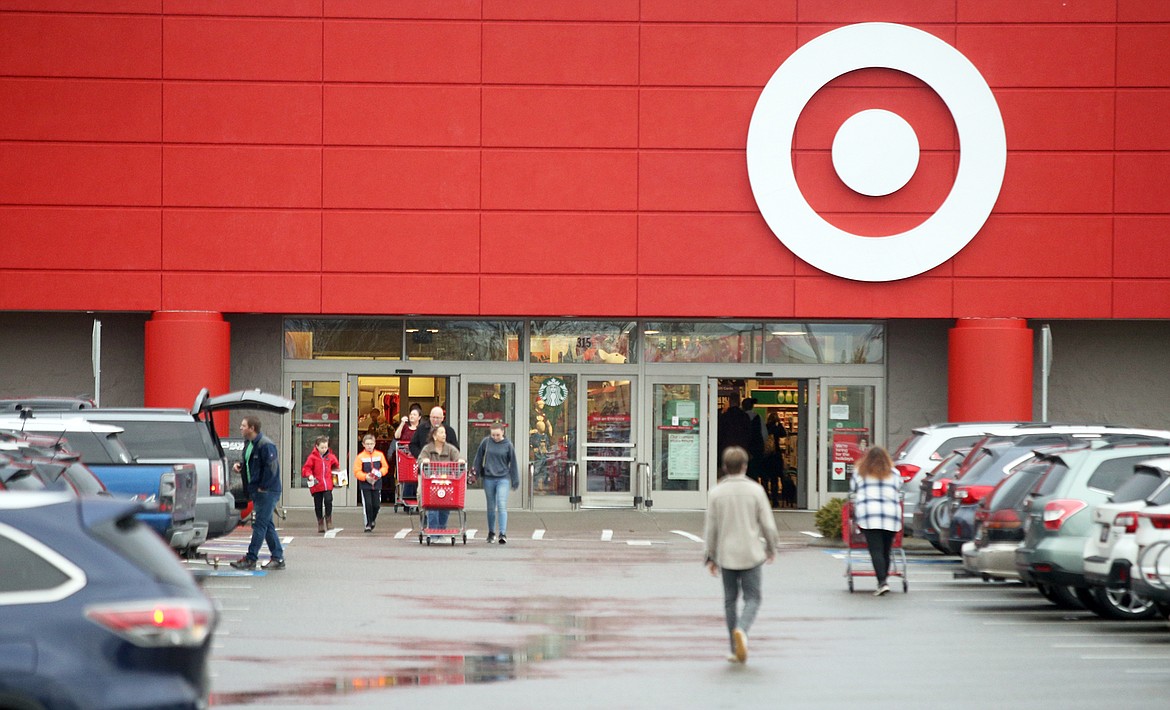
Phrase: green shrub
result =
(828, 518)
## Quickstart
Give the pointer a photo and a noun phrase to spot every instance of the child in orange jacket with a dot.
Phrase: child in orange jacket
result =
(369, 466)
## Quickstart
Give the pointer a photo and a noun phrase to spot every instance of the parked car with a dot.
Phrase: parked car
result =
(1151, 576)
(18, 475)
(932, 492)
(1002, 453)
(999, 530)
(1057, 520)
(178, 436)
(922, 451)
(95, 611)
(169, 490)
(1110, 553)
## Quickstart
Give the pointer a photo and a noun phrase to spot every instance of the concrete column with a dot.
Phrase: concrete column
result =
(990, 370)
(185, 352)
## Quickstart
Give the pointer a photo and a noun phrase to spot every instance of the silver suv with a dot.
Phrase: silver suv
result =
(172, 436)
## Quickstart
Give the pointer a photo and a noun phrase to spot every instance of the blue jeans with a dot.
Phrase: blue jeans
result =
(437, 519)
(747, 581)
(264, 530)
(496, 490)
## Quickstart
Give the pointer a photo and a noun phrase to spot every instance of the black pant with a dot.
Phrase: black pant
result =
(323, 500)
(371, 502)
(880, 542)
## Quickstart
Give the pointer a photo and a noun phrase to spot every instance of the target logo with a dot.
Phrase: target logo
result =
(875, 152)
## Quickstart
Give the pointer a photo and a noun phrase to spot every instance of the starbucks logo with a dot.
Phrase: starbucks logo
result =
(553, 391)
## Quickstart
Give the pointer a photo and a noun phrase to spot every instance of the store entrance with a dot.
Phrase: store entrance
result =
(774, 432)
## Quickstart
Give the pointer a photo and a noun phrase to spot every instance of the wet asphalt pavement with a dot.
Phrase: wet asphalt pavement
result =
(614, 609)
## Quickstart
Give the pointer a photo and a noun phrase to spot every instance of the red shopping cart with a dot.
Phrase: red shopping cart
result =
(406, 485)
(856, 547)
(442, 486)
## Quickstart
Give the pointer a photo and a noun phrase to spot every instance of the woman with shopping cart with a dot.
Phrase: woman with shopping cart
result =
(439, 450)
(877, 508)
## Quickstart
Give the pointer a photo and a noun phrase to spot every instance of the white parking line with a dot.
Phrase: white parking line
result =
(538, 534)
(687, 535)
(1135, 657)
(811, 534)
(471, 533)
(606, 535)
(645, 543)
(332, 532)
(402, 533)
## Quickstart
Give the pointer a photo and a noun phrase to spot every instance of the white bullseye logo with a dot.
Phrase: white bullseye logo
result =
(875, 152)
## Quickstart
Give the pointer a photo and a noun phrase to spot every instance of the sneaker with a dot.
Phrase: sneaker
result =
(273, 564)
(491, 538)
(503, 539)
(369, 528)
(246, 563)
(882, 590)
(739, 638)
(731, 658)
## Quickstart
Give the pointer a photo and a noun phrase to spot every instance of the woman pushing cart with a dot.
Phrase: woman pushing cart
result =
(872, 518)
(442, 488)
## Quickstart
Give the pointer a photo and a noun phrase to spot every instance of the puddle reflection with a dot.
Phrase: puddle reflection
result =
(494, 665)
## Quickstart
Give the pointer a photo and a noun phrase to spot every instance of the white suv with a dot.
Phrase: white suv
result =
(925, 448)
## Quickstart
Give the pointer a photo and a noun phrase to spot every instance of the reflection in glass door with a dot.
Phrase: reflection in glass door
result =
(678, 448)
(552, 436)
(489, 401)
(609, 444)
(849, 426)
(317, 413)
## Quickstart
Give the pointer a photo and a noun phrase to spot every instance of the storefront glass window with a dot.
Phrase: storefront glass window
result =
(342, 339)
(702, 342)
(480, 341)
(606, 342)
(552, 432)
(824, 343)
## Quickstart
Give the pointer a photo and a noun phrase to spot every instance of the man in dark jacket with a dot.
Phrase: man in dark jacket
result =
(260, 467)
(423, 436)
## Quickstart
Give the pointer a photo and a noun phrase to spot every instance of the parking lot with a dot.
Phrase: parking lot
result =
(613, 609)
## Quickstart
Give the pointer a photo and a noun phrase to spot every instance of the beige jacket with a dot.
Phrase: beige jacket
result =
(740, 531)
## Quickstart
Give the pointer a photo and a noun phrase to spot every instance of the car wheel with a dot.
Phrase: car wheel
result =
(1122, 604)
(1062, 597)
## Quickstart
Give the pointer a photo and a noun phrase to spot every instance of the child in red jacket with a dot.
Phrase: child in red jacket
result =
(318, 469)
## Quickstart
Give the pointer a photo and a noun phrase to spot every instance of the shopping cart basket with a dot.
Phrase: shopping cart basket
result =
(406, 485)
(442, 486)
(857, 559)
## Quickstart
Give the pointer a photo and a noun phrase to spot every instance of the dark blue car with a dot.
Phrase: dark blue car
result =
(95, 610)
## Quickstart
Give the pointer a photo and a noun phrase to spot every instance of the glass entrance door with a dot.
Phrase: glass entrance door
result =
(551, 440)
(609, 457)
(849, 423)
(677, 432)
(485, 401)
(319, 411)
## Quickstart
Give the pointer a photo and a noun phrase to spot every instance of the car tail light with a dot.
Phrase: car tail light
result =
(908, 471)
(938, 489)
(1056, 512)
(217, 478)
(1127, 521)
(1158, 520)
(969, 495)
(158, 624)
(1006, 519)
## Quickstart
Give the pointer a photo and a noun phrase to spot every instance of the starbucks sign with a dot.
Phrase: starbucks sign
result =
(553, 391)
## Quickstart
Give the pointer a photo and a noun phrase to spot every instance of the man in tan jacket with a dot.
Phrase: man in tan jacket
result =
(740, 535)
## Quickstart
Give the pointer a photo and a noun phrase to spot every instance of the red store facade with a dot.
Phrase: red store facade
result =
(640, 209)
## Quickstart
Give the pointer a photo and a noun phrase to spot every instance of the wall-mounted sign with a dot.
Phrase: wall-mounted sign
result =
(875, 152)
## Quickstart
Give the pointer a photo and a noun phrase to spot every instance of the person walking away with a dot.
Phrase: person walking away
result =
(732, 427)
(407, 426)
(757, 438)
(369, 466)
(423, 436)
(438, 450)
(495, 462)
(260, 467)
(876, 490)
(318, 470)
(739, 536)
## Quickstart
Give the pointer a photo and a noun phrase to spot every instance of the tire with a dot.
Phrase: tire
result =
(1063, 597)
(1122, 605)
(939, 547)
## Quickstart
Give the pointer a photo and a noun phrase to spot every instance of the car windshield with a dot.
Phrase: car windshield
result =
(1139, 487)
(1112, 473)
(1013, 489)
(168, 439)
(84, 480)
(1052, 471)
(958, 442)
(1160, 496)
(98, 448)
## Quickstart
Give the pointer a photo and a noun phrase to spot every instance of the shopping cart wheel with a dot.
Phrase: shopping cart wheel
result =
(905, 585)
(464, 538)
(850, 585)
(452, 541)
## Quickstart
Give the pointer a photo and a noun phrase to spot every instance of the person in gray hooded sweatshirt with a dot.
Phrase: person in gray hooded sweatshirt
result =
(495, 462)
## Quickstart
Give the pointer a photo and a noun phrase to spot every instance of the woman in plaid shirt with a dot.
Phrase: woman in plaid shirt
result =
(877, 507)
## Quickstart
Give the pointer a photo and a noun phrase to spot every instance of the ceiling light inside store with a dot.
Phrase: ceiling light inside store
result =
(787, 332)
(650, 332)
